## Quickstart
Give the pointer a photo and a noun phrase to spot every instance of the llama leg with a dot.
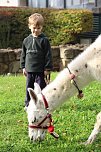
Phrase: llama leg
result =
(96, 130)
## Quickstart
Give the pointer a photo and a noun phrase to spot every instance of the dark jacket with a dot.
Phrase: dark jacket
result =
(36, 54)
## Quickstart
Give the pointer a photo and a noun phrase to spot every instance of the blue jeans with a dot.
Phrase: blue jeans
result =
(32, 77)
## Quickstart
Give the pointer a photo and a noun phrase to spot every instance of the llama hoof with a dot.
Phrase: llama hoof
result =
(83, 143)
(87, 143)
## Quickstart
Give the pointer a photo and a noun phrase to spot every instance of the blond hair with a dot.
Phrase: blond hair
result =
(36, 19)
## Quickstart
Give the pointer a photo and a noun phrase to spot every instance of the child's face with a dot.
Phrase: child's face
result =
(35, 30)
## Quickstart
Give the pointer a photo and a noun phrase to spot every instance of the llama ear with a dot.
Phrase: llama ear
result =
(37, 88)
(32, 94)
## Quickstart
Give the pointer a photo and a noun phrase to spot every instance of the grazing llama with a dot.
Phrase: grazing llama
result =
(84, 69)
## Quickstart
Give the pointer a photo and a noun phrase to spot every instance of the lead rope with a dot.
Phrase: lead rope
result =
(80, 93)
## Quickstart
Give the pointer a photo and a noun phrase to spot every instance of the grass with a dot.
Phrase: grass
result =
(73, 121)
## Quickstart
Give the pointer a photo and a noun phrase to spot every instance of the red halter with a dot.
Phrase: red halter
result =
(50, 126)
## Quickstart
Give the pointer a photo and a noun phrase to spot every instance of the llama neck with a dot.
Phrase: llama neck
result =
(61, 89)
(84, 68)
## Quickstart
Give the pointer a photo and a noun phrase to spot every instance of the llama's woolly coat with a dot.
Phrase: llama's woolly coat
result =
(86, 67)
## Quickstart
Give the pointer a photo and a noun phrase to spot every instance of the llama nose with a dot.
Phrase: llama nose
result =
(31, 138)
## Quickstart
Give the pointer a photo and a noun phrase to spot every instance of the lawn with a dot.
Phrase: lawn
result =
(73, 121)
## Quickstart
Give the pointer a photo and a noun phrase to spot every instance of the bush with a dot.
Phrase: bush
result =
(61, 26)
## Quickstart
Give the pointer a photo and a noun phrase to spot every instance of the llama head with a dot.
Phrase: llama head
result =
(36, 113)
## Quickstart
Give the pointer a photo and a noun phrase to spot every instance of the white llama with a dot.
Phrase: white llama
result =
(85, 68)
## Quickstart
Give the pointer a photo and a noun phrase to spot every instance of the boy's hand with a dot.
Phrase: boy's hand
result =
(24, 72)
(47, 76)
(46, 72)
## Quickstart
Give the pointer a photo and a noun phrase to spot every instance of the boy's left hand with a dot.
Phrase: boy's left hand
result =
(47, 76)
(46, 72)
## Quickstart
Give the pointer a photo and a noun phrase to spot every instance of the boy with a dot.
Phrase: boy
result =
(36, 58)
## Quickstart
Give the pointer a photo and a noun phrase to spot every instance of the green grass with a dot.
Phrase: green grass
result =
(73, 121)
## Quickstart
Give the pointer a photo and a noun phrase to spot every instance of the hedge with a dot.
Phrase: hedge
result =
(61, 26)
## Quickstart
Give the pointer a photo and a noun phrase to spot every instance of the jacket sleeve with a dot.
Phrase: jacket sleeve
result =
(23, 56)
(48, 55)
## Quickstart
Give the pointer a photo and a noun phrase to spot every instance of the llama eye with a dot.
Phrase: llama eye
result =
(40, 117)
(34, 120)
